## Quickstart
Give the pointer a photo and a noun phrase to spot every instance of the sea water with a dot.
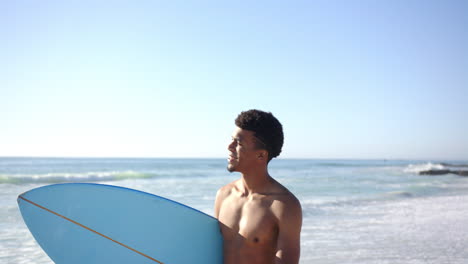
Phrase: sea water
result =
(354, 211)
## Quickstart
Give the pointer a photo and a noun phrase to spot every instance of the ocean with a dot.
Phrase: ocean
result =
(355, 211)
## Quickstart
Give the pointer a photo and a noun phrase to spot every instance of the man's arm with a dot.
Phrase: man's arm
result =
(220, 196)
(289, 236)
(218, 201)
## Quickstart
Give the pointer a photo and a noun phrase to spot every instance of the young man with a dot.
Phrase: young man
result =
(260, 219)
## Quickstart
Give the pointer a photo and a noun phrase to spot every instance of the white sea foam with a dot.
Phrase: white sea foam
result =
(417, 168)
(73, 177)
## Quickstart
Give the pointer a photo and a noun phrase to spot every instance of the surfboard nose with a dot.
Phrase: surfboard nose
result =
(20, 197)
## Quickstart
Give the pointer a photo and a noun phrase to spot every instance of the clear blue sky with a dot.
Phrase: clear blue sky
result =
(347, 79)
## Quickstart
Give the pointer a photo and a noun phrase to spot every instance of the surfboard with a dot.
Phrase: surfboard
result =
(94, 223)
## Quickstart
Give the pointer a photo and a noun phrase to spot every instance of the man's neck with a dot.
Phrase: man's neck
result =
(255, 181)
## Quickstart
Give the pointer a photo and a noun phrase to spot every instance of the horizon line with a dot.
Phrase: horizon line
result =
(173, 157)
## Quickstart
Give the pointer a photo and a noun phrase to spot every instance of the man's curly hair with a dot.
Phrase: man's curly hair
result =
(268, 131)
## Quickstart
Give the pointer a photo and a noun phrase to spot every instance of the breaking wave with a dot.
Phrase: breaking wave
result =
(74, 177)
(417, 168)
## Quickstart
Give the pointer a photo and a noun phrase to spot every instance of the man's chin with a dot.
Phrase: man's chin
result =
(231, 168)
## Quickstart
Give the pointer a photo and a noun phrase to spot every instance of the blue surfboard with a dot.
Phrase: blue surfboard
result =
(93, 223)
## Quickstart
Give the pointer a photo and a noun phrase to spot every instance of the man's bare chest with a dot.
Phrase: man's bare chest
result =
(251, 219)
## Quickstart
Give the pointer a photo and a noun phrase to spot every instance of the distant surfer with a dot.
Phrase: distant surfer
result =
(260, 219)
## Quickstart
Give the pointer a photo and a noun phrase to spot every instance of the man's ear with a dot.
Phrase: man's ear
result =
(262, 155)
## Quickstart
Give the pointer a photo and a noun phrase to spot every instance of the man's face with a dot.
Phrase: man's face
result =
(243, 152)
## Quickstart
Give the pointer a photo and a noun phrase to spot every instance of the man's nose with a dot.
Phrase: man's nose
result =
(231, 145)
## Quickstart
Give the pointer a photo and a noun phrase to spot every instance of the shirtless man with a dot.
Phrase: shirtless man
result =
(260, 219)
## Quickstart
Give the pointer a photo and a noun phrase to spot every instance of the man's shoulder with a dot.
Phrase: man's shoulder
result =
(223, 194)
(227, 189)
(286, 202)
(229, 186)
(288, 199)
(284, 195)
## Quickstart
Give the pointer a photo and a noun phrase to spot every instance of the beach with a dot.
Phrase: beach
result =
(355, 211)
